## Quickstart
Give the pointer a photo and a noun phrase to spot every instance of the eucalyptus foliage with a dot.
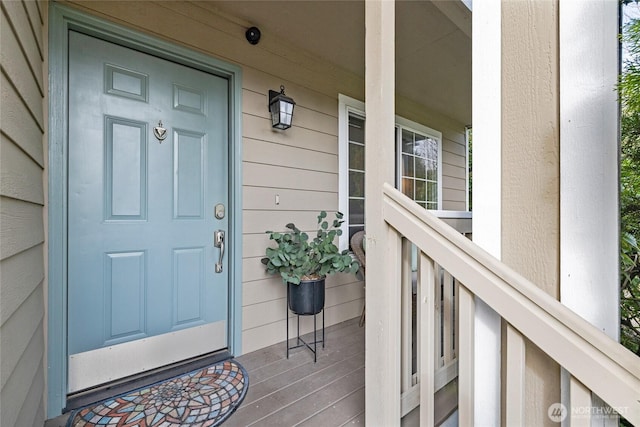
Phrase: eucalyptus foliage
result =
(297, 258)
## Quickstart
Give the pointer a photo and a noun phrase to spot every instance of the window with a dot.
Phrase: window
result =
(418, 167)
(418, 160)
(355, 215)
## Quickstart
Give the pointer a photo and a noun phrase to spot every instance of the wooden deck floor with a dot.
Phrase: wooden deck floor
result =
(299, 392)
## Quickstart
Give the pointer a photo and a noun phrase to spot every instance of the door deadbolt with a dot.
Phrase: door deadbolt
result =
(219, 211)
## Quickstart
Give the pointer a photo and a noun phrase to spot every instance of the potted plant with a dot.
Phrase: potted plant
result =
(304, 264)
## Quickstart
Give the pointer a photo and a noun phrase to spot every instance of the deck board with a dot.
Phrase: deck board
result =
(340, 413)
(356, 420)
(300, 357)
(297, 391)
(320, 399)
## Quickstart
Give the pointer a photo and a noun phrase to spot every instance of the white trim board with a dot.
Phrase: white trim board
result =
(110, 363)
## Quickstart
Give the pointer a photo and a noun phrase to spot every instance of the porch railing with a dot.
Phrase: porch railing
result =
(594, 362)
(445, 309)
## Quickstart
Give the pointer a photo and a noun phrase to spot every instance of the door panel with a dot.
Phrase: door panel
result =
(141, 211)
(126, 169)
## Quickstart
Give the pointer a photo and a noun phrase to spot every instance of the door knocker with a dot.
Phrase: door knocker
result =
(160, 132)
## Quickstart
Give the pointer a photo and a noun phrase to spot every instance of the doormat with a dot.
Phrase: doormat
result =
(203, 398)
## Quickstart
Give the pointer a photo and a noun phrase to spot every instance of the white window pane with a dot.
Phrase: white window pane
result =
(407, 141)
(421, 168)
(432, 191)
(432, 171)
(356, 211)
(421, 190)
(407, 187)
(407, 165)
(356, 184)
(356, 129)
(356, 157)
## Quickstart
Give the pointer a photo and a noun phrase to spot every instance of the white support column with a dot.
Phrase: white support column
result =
(589, 161)
(589, 211)
(382, 348)
(487, 192)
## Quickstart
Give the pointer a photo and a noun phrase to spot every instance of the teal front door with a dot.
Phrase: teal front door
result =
(147, 190)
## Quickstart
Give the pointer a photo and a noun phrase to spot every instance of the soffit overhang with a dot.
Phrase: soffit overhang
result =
(433, 43)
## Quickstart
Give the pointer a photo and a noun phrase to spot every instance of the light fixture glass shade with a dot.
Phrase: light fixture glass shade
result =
(281, 109)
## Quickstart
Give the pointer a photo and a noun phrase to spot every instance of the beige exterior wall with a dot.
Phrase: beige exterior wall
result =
(22, 160)
(300, 165)
(531, 171)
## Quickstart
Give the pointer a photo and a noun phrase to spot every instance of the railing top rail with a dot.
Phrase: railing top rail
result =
(586, 352)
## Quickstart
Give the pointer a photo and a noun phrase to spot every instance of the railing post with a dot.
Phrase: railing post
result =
(426, 350)
(514, 387)
(448, 321)
(579, 404)
(466, 357)
(407, 327)
(438, 323)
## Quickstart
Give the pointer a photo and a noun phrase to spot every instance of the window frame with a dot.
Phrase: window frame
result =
(404, 124)
(348, 105)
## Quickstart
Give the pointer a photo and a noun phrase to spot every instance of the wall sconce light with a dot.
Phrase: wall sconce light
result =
(281, 109)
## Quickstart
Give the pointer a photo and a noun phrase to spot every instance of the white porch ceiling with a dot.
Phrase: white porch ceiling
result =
(433, 43)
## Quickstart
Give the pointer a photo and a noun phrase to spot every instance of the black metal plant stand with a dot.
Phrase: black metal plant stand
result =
(300, 342)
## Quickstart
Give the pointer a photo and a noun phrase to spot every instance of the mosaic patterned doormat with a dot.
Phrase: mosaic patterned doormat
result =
(201, 398)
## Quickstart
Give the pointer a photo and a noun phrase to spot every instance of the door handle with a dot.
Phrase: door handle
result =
(218, 242)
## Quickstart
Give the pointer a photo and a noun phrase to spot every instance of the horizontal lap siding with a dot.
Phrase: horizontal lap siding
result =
(288, 177)
(454, 171)
(22, 123)
(299, 165)
(454, 177)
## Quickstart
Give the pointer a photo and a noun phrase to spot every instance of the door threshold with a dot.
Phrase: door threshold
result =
(114, 388)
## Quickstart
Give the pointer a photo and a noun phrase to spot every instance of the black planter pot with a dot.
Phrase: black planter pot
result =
(307, 297)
